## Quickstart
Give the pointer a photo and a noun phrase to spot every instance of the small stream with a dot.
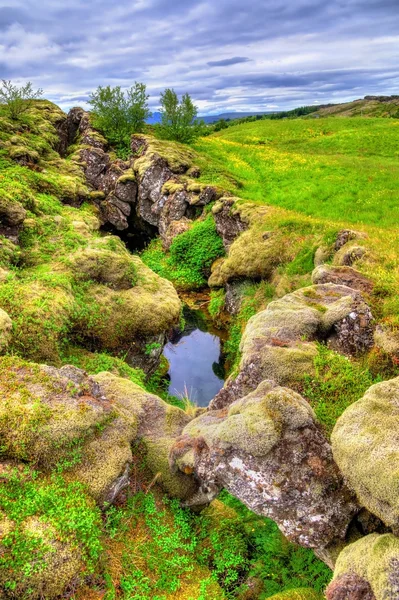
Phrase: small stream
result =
(196, 368)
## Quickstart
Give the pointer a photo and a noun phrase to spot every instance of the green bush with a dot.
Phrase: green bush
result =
(118, 114)
(193, 252)
(179, 118)
(191, 255)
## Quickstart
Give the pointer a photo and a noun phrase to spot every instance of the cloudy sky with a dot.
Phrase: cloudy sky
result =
(228, 54)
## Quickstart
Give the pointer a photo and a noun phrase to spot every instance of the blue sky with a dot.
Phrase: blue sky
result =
(229, 55)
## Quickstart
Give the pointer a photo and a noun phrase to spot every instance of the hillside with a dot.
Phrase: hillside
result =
(369, 106)
(283, 234)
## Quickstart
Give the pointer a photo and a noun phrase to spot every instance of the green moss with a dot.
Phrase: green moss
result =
(191, 255)
(336, 383)
(216, 303)
(373, 558)
(53, 535)
(364, 442)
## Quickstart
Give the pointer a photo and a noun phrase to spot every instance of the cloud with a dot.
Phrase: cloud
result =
(226, 55)
(227, 62)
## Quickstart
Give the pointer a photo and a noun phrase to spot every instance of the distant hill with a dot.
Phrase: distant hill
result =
(369, 106)
(156, 116)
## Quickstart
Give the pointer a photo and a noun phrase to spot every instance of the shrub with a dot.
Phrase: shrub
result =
(179, 118)
(193, 252)
(18, 99)
(118, 114)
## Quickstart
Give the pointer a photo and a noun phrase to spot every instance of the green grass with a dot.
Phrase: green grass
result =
(336, 169)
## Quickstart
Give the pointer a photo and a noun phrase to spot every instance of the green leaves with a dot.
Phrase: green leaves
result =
(18, 99)
(179, 118)
(118, 114)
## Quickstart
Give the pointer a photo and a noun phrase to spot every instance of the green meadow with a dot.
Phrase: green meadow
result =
(340, 169)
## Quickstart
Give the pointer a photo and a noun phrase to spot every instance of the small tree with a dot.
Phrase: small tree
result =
(117, 114)
(179, 118)
(18, 99)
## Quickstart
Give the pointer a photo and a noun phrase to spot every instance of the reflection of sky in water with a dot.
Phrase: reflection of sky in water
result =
(190, 366)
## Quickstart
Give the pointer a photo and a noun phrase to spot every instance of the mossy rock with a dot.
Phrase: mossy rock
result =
(372, 562)
(59, 419)
(255, 423)
(253, 255)
(114, 318)
(118, 271)
(365, 443)
(159, 426)
(12, 212)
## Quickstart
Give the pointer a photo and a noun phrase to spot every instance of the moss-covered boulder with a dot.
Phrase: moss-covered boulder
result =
(159, 424)
(279, 342)
(253, 255)
(267, 450)
(365, 443)
(367, 570)
(118, 318)
(59, 419)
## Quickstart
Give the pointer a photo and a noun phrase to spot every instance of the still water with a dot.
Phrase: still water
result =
(195, 361)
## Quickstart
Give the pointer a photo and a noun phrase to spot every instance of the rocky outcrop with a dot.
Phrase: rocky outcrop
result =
(367, 570)
(267, 450)
(148, 190)
(279, 342)
(365, 443)
(229, 222)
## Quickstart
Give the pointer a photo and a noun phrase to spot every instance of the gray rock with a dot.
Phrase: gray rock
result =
(268, 451)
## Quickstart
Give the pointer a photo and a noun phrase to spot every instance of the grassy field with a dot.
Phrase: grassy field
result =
(345, 169)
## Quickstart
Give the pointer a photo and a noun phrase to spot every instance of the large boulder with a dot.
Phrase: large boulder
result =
(84, 426)
(279, 342)
(253, 255)
(159, 424)
(367, 570)
(365, 443)
(267, 450)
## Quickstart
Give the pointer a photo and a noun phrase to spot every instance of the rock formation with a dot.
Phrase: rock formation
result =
(268, 451)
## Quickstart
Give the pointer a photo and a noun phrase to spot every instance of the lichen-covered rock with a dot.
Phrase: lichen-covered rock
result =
(342, 276)
(5, 330)
(367, 570)
(365, 443)
(229, 222)
(267, 450)
(279, 342)
(253, 255)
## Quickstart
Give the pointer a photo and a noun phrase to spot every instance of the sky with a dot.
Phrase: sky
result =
(229, 55)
